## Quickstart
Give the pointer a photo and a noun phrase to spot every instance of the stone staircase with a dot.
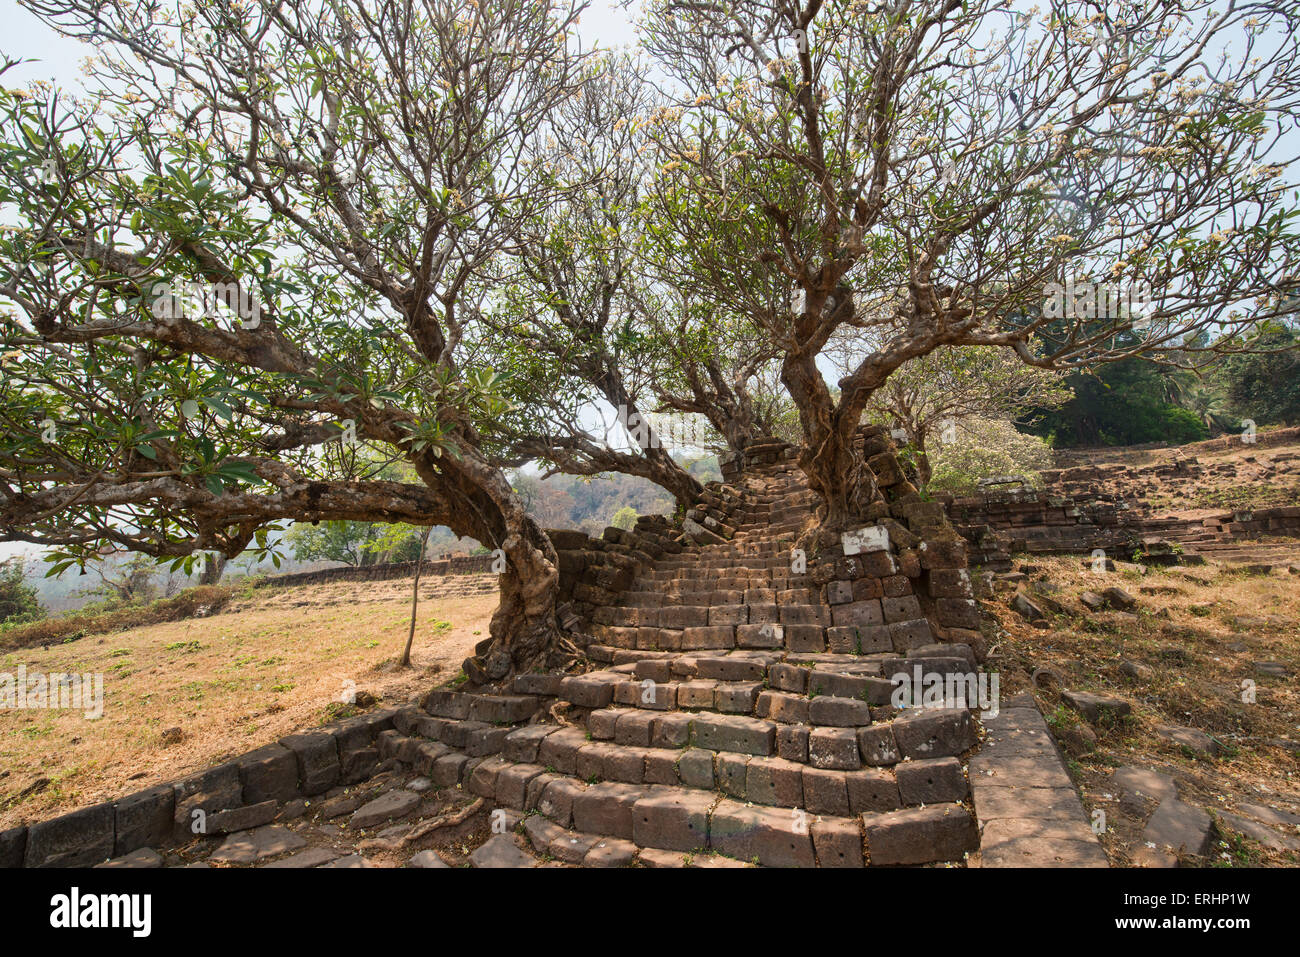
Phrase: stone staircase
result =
(742, 705)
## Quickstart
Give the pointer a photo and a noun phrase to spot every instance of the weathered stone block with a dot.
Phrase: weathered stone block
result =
(677, 821)
(825, 792)
(871, 790)
(773, 836)
(143, 819)
(931, 781)
(79, 839)
(839, 712)
(317, 759)
(934, 733)
(733, 733)
(838, 843)
(941, 832)
(833, 748)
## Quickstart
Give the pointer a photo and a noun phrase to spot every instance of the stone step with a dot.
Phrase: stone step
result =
(758, 808)
(848, 733)
(793, 636)
(795, 611)
(689, 820)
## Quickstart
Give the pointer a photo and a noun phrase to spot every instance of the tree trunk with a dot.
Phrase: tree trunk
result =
(415, 598)
(923, 470)
(666, 473)
(213, 568)
(834, 467)
(524, 631)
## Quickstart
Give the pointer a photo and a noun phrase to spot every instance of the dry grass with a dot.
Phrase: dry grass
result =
(1199, 631)
(265, 666)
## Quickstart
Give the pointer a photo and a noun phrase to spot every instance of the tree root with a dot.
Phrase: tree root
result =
(444, 820)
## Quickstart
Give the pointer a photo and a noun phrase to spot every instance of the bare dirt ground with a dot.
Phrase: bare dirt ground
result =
(1200, 638)
(181, 696)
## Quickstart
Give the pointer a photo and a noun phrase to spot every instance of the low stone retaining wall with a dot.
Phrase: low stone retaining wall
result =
(297, 766)
(457, 565)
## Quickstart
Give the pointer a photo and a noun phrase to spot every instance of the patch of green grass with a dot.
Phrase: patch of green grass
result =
(1236, 850)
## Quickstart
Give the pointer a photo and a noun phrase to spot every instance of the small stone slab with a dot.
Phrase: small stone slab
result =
(249, 846)
(1182, 828)
(610, 852)
(572, 848)
(542, 832)
(1010, 831)
(1196, 741)
(348, 863)
(1259, 832)
(338, 806)
(312, 857)
(238, 819)
(501, 850)
(144, 857)
(718, 862)
(994, 803)
(1044, 852)
(656, 857)
(1032, 769)
(1269, 815)
(1097, 707)
(386, 807)
(1026, 608)
(428, 859)
(1137, 786)
(1119, 599)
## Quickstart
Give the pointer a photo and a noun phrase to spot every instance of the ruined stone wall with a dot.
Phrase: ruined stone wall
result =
(594, 572)
(244, 792)
(998, 524)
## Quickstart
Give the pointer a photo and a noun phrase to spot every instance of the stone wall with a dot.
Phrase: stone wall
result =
(243, 792)
(456, 565)
(998, 524)
(594, 572)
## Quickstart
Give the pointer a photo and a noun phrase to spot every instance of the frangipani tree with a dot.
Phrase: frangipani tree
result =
(939, 173)
(328, 180)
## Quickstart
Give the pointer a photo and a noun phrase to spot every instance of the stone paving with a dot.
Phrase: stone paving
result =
(1029, 811)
